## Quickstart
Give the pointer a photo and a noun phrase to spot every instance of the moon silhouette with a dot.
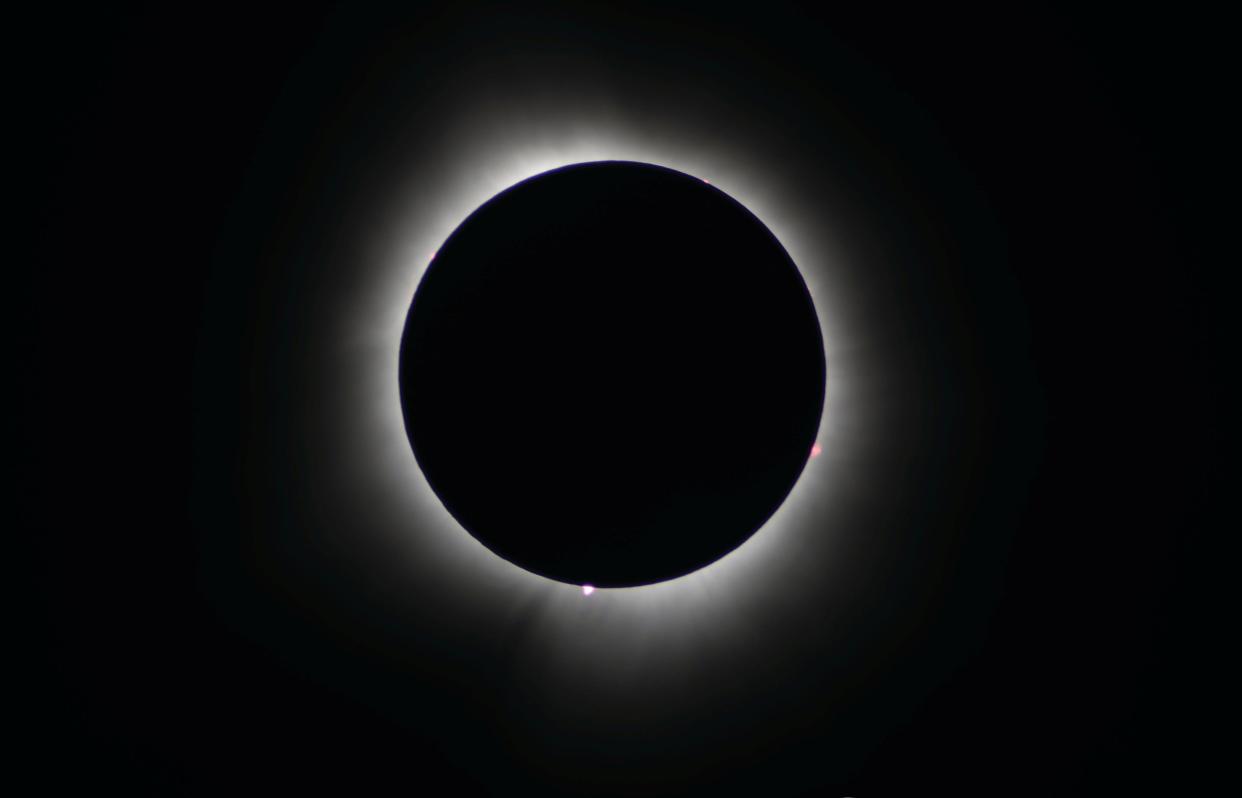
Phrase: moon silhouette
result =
(612, 374)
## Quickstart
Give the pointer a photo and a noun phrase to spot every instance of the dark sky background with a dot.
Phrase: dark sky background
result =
(1023, 194)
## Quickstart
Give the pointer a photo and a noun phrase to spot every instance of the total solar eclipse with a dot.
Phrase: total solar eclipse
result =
(612, 374)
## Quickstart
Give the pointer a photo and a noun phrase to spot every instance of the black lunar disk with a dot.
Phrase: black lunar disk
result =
(612, 374)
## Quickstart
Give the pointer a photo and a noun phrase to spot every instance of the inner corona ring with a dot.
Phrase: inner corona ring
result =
(612, 374)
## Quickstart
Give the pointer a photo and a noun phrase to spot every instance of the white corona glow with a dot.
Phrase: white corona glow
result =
(490, 151)
(588, 590)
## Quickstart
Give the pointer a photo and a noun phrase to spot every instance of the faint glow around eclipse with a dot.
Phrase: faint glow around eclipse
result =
(492, 151)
